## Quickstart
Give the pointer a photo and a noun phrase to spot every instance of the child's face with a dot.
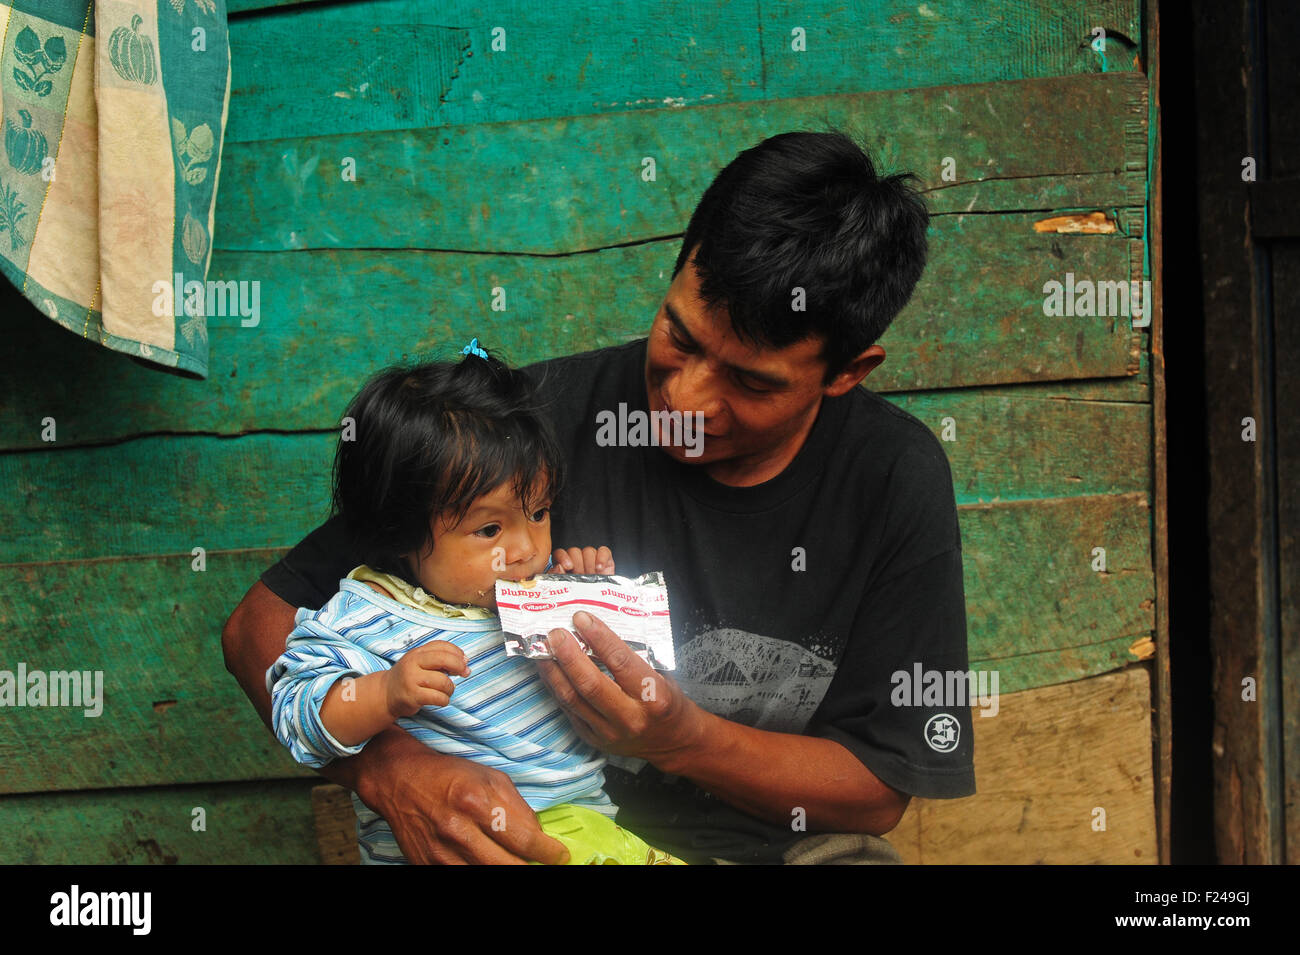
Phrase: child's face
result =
(495, 540)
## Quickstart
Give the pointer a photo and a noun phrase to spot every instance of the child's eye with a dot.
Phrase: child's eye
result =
(490, 530)
(541, 514)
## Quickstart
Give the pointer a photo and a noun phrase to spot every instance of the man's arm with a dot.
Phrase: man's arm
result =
(440, 808)
(774, 775)
(769, 775)
(253, 639)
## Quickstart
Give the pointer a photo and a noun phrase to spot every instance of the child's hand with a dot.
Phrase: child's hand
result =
(420, 678)
(583, 560)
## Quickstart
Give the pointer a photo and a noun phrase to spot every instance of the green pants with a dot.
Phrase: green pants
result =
(595, 839)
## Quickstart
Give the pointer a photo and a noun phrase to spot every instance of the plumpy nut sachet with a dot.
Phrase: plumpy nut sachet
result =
(635, 608)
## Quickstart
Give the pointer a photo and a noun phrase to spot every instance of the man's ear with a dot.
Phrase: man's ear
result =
(855, 372)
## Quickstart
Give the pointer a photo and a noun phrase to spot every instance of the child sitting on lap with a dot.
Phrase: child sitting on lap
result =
(445, 489)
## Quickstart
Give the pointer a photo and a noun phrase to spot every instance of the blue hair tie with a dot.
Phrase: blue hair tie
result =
(473, 349)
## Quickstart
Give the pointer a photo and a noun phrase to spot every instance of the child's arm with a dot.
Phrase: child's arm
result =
(317, 664)
(356, 709)
(314, 661)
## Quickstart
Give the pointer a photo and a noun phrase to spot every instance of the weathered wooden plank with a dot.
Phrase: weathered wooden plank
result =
(1022, 442)
(1035, 668)
(266, 822)
(1044, 766)
(172, 714)
(1030, 583)
(576, 183)
(169, 494)
(350, 68)
(899, 45)
(327, 319)
(335, 820)
(165, 495)
(1000, 309)
(1133, 388)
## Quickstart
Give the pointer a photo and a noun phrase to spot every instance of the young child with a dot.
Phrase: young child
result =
(444, 487)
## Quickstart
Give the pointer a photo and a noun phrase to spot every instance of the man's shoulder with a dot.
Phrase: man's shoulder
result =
(879, 434)
(901, 472)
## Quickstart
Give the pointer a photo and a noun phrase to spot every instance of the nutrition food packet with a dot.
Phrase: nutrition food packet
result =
(635, 608)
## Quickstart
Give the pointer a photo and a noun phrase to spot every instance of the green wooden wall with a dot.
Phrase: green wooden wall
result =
(521, 168)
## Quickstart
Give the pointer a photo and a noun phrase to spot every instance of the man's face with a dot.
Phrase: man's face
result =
(757, 402)
(496, 539)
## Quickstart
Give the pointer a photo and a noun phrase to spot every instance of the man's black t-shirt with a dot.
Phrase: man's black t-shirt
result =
(794, 602)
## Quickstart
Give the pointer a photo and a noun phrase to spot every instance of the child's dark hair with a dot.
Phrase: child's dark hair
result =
(808, 210)
(429, 440)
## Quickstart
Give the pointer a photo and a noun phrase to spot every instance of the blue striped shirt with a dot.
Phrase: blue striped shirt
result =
(501, 715)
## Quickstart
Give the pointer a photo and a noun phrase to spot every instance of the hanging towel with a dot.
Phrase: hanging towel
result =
(114, 113)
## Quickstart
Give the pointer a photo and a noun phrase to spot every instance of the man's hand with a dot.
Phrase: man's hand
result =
(583, 560)
(643, 713)
(451, 811)
(640, 712)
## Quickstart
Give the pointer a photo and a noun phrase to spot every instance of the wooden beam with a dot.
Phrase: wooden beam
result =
(1248, 809)
(1159, 452)
(1282, 31)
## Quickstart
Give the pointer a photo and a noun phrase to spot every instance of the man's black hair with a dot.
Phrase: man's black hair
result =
(429, 440)
(807, 210)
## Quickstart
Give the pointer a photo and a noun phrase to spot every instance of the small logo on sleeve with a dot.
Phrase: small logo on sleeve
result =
(942, 732)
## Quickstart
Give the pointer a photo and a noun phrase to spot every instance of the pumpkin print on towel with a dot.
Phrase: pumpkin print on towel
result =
(132, 54)
(40, 61)
(26, 147)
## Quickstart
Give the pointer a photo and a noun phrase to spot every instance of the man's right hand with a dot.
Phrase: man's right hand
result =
(447, 810)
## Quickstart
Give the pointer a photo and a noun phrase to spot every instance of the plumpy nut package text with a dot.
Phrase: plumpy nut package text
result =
(635, 608)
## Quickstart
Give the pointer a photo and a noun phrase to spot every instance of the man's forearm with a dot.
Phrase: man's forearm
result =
(774, 775)
(253, 639)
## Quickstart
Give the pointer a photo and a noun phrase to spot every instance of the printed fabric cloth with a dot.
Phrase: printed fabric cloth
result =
(114, 114)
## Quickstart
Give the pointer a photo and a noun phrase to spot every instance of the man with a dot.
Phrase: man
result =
(809, 541)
